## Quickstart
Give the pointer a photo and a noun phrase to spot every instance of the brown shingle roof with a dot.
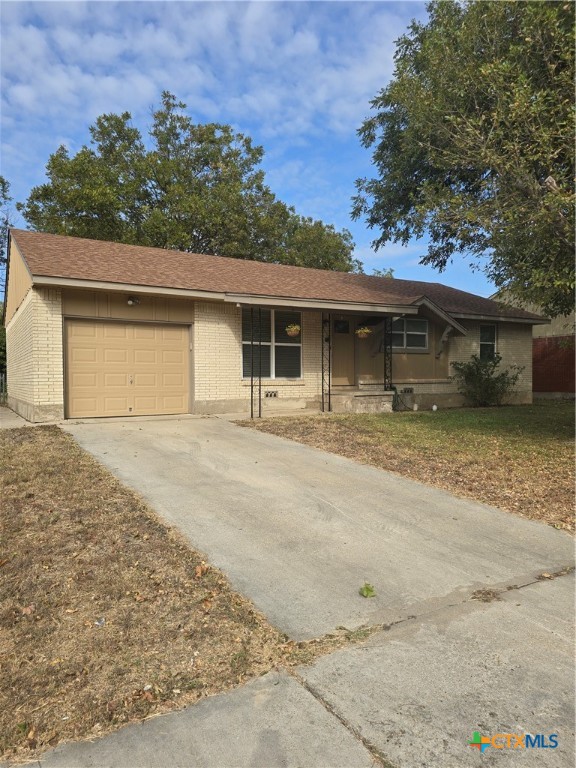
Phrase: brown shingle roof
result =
(57, 256)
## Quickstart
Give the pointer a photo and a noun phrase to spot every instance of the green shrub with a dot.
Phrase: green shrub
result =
(481, 385)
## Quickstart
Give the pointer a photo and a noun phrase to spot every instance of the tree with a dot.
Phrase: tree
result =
(197, 188)
(387, 272)
(473, 145)
(5, 223)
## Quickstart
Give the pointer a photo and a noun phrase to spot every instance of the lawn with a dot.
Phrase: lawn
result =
(106, 614)
(520, 459)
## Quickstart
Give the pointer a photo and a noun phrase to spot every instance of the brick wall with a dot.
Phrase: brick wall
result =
(513, 342)
(218, 382)
(35, 358)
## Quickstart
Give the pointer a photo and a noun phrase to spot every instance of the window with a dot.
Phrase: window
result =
(278, 354)
(487, 342)
(409, 333)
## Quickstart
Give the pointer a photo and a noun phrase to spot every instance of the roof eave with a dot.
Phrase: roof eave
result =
(503, 319)
(236, 298)
(424, 301)
(324, 304)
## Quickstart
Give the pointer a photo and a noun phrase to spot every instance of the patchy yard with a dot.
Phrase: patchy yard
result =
(520, 459)
(106, 614)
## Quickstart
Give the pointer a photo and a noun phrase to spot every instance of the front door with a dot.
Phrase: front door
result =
(343, 367)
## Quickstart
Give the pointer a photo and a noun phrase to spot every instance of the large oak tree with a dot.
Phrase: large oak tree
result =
(473, 144)
(194, 187)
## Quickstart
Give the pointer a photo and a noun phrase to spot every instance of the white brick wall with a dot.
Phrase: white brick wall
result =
(35, 356)
(20, 351)
(218, 357)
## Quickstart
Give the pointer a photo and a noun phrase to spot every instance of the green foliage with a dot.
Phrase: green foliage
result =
(197, 188)
(367, 590)
(388, 272)
(2, 343)
(473, 145)
(481, 385)
(5, 200)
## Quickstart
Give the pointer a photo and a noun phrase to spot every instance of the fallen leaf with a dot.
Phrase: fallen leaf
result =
(200, 570)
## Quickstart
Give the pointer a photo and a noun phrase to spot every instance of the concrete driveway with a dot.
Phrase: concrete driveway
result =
(298, 530)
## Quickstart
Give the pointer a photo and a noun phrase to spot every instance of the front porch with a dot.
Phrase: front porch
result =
(362, 400)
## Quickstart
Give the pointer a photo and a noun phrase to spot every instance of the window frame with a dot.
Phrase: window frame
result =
(493, 344)
(273, 344)
(405, 333)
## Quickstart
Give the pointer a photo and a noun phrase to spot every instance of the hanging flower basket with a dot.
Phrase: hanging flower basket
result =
(292, 330)
(363, 332)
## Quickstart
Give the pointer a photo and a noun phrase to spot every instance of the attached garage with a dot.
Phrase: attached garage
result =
(97, 329)
(125, 369)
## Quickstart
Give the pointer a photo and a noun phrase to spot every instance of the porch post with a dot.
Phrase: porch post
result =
(326, 355)
(387, 353)
(251, 362)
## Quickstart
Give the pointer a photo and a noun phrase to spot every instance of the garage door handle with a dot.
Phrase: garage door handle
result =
(130, 379)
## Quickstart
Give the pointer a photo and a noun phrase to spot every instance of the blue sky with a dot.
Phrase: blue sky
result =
(297, 77)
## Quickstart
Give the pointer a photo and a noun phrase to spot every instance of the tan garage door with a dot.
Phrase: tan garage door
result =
(126, 369)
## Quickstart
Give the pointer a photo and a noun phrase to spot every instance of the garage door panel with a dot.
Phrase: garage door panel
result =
(87, 406)
(116, 406)
(83, 355)
(84, 331)
(146, 357)
(172, 356)
(170, 402)
(111, 379)
(150, 380)
(145, 332)
(116, 369)
(175, 380)
(172, 334)
(80, 380)
(115, 355)
(116, 331)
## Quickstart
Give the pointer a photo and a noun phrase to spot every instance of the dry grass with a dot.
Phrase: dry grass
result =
(520, 459)
(106, 615)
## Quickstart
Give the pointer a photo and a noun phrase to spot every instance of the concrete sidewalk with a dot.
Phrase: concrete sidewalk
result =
(409, 697)
(11, 420)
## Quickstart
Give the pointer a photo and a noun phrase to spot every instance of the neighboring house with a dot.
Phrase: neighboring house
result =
(103, 329)
(553, 347)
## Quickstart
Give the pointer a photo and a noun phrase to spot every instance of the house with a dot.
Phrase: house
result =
(553, 345)
(103, 329)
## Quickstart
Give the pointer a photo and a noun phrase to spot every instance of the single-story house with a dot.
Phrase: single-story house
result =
(102, 329)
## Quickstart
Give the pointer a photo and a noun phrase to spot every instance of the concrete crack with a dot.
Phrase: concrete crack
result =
(379, 758)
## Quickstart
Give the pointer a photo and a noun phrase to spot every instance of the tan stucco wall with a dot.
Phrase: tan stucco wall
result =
(34, 354)
(19, 282)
